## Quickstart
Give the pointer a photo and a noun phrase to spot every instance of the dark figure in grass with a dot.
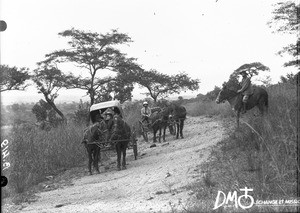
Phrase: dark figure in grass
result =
(93, 134)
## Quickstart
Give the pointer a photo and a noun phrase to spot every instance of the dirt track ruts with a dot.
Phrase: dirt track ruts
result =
(156, 182)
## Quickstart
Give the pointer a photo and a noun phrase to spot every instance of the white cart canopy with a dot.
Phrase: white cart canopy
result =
(100, 108)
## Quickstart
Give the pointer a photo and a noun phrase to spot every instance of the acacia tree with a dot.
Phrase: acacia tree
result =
(49, 80)
(120, 87)
(286, 19)
(251, 69)
(93, 52)
(156, 83)
(162, 85)
(13, 78)
(181, 82)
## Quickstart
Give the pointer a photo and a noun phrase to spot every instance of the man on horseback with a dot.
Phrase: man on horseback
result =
(145, 112)
(246, 89)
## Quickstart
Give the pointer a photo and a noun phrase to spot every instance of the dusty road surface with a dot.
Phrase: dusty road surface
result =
(156, 182)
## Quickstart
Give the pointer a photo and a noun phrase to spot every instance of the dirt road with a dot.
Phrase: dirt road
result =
(156, 182)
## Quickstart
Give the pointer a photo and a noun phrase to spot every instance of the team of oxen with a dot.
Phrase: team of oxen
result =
(120, 133)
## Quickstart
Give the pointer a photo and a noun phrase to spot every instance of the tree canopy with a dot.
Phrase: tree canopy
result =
(251, 69)
(13, 78)
(162, 85)
(286, 19)
(93, 52)
(119, 88)
(49, 80)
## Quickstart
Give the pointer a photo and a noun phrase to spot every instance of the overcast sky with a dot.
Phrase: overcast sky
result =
(207, 39)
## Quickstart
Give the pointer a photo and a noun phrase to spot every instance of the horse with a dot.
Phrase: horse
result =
(92, 134)
(259, 98)
(159, 121)
(121, 132)
(178, 114)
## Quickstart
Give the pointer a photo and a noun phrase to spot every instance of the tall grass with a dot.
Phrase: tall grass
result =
(35, 154)
(261, 155)
(209, 108)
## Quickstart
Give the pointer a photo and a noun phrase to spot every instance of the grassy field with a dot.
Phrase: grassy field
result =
(261, 155)
(209, 108)
(34, 154)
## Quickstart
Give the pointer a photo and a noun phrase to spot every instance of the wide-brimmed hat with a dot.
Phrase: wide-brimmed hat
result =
(145, 103)
(242, 71)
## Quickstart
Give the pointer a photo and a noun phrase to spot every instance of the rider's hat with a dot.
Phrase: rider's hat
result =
(242, 71)
(145, 103)
(108, 112)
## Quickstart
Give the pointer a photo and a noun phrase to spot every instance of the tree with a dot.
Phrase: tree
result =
(93, 52)
(251, 69)
(120, 87)
(289, 78)
(182, 82)
(212, 95)
(286, 19)
(45, 115)
(49, 80)
(156, 83)
(13, 78)
(162, 85)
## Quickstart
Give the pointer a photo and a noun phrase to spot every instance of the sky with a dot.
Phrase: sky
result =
(206, 39)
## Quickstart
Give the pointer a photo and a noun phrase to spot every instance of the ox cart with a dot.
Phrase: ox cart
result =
(116, 107)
